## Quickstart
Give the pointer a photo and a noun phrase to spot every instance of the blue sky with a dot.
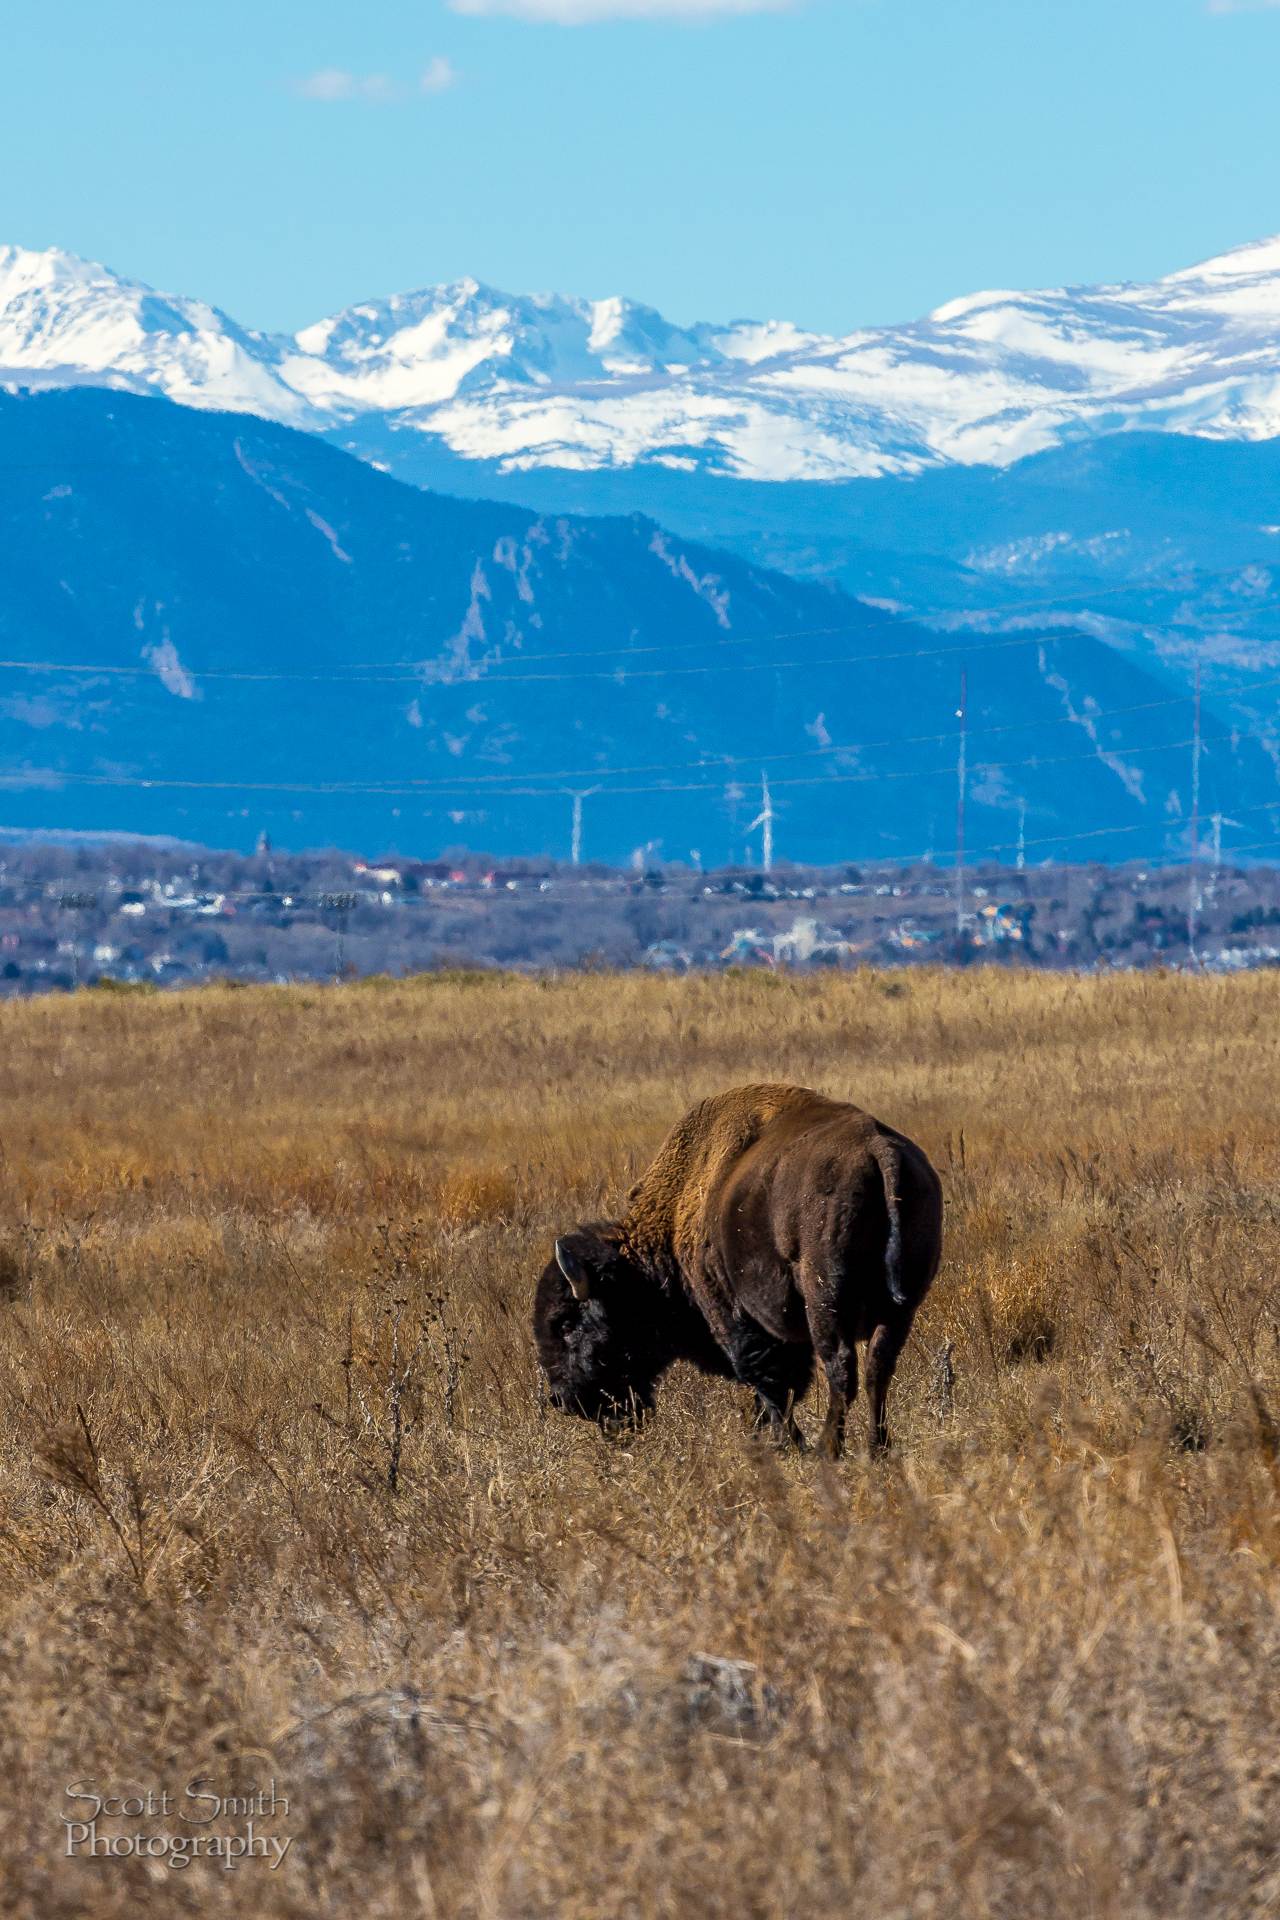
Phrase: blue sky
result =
(836, 162)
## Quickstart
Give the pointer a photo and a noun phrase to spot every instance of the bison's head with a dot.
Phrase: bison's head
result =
(596, 1341)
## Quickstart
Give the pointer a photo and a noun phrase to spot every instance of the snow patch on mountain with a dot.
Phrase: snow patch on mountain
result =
(169, 670)
(705, 585)
(1085, 715)
(322, 527)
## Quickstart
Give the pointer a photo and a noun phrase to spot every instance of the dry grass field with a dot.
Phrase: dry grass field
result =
(263, 1251)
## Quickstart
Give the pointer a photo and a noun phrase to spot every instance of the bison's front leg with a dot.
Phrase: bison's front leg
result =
(782, 1425)
(778, 1370)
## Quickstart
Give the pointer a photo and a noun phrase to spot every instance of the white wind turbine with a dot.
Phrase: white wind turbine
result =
(765, 819)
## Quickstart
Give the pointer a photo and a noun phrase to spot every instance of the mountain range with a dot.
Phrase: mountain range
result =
(539, 381)
(669, 556)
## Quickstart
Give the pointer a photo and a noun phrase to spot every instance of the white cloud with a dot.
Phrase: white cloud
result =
(579, 13)
(335, 83)
(438, 75)
(329, 84)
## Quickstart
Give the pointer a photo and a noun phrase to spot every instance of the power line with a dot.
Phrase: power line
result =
(506, 785)
(1072, 602)
(444, 789)
(490, 672)
(420, 672)
(1102, 833)
(1059, 839)
(836, 748)
(460, 782)
(482, 672)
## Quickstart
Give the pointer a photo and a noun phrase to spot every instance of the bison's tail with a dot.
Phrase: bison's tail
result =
(889, 1161)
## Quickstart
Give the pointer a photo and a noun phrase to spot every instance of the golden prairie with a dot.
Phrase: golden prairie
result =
(264, 1252)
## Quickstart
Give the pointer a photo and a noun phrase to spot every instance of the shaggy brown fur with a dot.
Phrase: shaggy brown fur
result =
(774, 1226)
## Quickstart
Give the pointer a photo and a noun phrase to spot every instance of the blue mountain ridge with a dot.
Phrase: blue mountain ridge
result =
(246, 628)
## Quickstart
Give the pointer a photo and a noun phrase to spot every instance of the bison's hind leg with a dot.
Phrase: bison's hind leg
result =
(883, 1348)
(840, 1364)
(833, 1345)
(779, 1371)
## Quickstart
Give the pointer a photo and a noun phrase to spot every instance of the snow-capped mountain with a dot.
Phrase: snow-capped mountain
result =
(549, 382)
(68, 322)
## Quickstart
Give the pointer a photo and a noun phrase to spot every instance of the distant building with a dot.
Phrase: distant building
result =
(748, 947)
(665, 956)
(807, 943)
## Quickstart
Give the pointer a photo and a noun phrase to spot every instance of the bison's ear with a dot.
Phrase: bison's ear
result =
(574, 1266)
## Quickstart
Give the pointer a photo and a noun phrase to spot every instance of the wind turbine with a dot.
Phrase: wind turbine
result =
(575, 845)
(1220, 820)
(765, 819)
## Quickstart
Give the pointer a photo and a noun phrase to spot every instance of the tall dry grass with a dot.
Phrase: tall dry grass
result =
(263, 1252)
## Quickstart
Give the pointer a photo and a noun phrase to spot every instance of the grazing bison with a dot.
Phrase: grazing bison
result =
(774, 1225)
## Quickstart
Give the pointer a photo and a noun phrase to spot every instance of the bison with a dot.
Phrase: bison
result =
(774, 1226)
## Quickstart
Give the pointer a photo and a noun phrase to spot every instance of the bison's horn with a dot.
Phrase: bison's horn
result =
(575, 1270)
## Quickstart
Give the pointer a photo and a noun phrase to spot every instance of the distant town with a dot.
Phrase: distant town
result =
(139, 914)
